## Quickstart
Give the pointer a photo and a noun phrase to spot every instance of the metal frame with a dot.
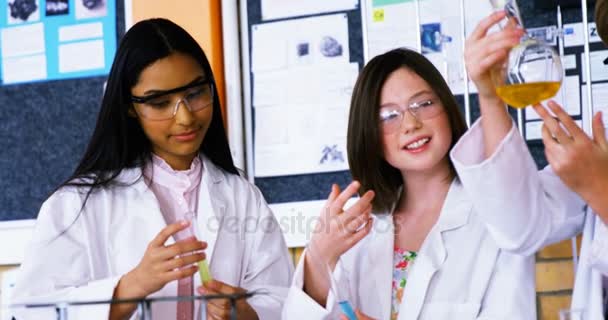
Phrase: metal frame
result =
(467, 102)
(245, 75)
(587, 67)
(144, 306)
(232, 75)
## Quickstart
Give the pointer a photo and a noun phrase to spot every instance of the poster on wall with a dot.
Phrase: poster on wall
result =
(302, 83)
(392, 24)
(279, 9)
(56, 39)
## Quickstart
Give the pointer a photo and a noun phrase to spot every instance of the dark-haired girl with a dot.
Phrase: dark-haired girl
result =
(121, 226)
(418, 244)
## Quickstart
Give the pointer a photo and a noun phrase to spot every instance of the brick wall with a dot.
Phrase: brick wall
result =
(554, 279)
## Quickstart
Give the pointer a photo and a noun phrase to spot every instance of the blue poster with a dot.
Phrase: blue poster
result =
(43, 40)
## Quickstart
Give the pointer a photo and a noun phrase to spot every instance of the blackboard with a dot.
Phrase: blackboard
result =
(44, 129)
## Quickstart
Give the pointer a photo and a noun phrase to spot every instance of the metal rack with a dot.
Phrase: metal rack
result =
(144, 306)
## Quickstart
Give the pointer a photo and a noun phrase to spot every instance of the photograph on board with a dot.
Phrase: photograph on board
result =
(22, 11)
(430, 37)
(330, 47)
(57, 7)
(303, 53)
(86, 9)
(311, 49)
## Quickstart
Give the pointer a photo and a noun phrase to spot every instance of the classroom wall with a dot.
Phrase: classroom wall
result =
(554, 267)
(202, 19)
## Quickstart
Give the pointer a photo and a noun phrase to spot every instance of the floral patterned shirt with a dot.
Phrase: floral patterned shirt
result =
(402, 261)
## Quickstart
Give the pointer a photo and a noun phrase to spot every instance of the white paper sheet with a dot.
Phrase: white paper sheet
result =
(391, 26)
(386, 19)
(568, 96)
(599, 70)
(24, 69)
(81, 56)
(300, 42)
(22, 40)
(574, 36)
(300, 127)
(81, 32)
(297, 220)
(277, 9)
(9, 281)
(600, 101)
(569, 62)
(534, 129)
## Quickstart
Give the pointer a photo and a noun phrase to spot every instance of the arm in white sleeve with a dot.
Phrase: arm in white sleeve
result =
(505, 297)
(299, 305)
(269, 269)
(57, 266)
(524, 209)
(598, 257)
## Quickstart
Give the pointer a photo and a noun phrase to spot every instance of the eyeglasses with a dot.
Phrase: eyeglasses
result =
(391, 116)
(158, 106)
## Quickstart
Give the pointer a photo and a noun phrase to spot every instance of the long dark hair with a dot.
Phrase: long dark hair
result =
(118, 141)
(364, 147)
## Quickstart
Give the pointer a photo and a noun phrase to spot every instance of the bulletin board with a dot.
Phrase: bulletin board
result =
(274, 73)
(44, 128)
(320, 59)
(56, 39)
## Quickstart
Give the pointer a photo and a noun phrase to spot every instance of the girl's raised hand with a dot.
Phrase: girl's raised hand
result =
(579, 160)
(483, 52)
(338, 230)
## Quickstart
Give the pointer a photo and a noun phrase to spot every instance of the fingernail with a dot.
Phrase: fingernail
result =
(185, 222)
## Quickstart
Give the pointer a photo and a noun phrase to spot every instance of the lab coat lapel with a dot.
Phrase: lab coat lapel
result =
(211, 206)
(432, 255)
(587, 292)
(430, 258)
(380, 260)
(141, 223)
(148, 207)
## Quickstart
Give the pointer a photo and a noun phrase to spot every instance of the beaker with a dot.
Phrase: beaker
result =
(533, 71)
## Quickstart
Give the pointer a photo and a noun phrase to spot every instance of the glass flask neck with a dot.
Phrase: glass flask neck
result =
(512, 10)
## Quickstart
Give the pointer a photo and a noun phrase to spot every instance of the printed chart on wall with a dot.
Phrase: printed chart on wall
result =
(392, 24)
(303, 59)
(572, 95)
(56, 39)
(302, 82)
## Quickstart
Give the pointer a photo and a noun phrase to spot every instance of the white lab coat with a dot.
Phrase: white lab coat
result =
(593, 258)
(546, 211)
(82, 257)
(459, 273)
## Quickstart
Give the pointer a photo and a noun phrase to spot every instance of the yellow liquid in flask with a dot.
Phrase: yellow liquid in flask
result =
(526, 94)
